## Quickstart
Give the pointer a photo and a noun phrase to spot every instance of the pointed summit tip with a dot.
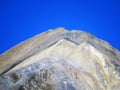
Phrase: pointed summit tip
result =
(64, 30)
(58, 29)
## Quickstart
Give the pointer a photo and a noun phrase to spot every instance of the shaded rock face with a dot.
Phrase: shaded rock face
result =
(61, 60)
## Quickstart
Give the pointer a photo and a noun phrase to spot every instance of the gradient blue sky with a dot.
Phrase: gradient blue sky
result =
(22, 19)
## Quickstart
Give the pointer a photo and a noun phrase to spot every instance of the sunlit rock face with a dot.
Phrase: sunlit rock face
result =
(61, 60)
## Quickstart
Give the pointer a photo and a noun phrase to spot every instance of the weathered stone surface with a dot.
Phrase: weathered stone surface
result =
(61, 60)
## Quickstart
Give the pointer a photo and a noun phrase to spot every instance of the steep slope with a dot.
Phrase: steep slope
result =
(61, 60)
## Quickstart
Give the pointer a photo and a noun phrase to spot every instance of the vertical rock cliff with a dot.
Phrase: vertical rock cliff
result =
(61, 60)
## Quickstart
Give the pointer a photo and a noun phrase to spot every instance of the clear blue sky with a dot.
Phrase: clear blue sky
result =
(22, 19)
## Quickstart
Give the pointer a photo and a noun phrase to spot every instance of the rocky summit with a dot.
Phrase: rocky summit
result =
(61, 60)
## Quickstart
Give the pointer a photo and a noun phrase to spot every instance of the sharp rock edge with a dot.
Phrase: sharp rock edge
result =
(61, 60)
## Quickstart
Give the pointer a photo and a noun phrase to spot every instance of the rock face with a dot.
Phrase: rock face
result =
(61, 60)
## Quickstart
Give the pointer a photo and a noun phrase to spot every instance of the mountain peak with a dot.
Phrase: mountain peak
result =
(61, 59)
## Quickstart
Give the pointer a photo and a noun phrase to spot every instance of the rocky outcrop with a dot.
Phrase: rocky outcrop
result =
(61, 60)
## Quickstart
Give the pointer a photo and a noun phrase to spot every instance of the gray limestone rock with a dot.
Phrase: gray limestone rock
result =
(61, 60)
